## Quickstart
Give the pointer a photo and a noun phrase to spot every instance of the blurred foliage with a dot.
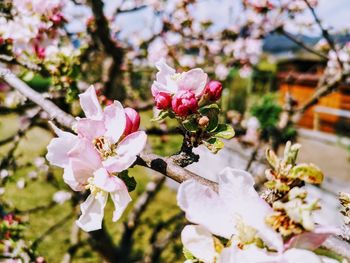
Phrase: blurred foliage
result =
(268, 112)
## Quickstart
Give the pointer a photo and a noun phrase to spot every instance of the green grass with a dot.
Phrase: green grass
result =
(39, 192)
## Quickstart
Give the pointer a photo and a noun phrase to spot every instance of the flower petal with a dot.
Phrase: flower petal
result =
(161, 82)
(107, 182)
(58, 148)
(236, 189)
(203, 206)
(199, 241)
(121, 199)
(132, 144)
(311, 240)
(115, 121)
(68, 177)
(163, 71)
(117, 164)
(90, 129)
(194, 80)
(92, 212)
(84, 161)
(90, 105)
(300, 255)
(250, 254)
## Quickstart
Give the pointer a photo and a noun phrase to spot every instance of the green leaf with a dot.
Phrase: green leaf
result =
(210, 107)
(161, 116)
(190, 125)
(188, 255)
(308, 173)
(29, 75)
(130, 182)
(214, 144)
(224, 131)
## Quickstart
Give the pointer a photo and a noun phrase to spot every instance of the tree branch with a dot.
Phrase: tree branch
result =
(111, 48)
(325, 89)
(324, 32)
(167, 167)
(48, 106)
(301, 43)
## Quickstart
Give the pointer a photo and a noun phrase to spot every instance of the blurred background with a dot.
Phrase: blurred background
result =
(284, 67)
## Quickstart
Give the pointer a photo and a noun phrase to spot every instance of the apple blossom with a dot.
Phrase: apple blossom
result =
(92, 158)
(238, 214)
(168, 81)
(237, 201)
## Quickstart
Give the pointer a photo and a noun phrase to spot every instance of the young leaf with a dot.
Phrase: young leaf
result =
(210, 107)
(190, 125)
(188, 255)
(214, 144)
(161, 116)
(224, 131)
(130, 182)
(309, 173)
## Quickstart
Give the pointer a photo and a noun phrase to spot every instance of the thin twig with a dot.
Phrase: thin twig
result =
(324, 32)
(301, 44)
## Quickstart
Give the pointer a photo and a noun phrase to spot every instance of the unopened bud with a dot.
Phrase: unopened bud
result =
(214, 90)
(203, 121)
(184, 103)
(132, 121)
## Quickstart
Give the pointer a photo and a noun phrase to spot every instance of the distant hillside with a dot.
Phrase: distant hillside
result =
(276, 43)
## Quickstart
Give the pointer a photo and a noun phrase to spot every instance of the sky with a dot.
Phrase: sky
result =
(334, 13)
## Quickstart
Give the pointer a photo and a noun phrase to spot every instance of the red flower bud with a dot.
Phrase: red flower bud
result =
(57, 18)
(163, 100)
(132, 121)
(184, 103)
(214, 90)
(40, 51)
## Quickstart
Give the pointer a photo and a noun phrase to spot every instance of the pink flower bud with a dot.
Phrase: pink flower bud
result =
(57, 18)
(214, 90)
(163, 100)
(184, 103)
(132, 121)
(39, 51)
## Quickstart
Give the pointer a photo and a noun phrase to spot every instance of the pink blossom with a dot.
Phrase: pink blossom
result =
(132, 121)
(214, 90)
(163, 100)
(168, 81)
(184, 103)
(92, 158)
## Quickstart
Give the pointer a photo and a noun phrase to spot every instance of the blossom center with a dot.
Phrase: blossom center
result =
(104, 147)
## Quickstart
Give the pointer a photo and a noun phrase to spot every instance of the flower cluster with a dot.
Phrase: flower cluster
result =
(97, 158)
(190, 98)
(12, 245)
(231, 225)
(33, 22)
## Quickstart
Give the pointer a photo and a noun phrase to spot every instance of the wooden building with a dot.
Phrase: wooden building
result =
(300, 78)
